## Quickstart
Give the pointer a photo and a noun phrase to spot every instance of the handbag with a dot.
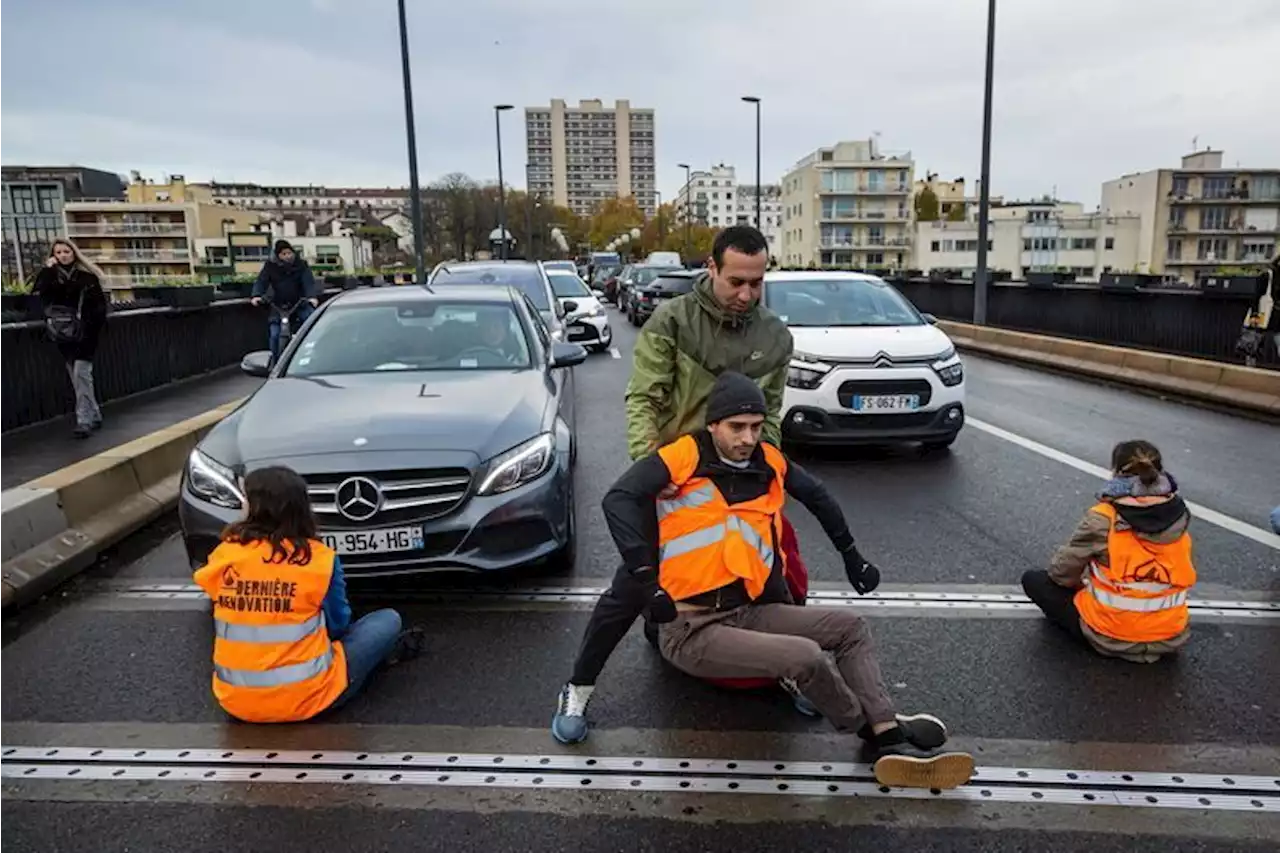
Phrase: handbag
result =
(64, 326)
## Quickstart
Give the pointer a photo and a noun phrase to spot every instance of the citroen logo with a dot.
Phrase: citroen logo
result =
(359, 498)
(883, 359)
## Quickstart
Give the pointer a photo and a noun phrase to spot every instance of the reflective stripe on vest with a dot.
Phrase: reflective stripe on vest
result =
(1138, 605)
(700, 496)
(713, 534)
(1134, 586)
(277, 677)
(268, 633)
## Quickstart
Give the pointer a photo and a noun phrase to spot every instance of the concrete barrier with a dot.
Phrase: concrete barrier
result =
(1246, 388)
(55, 526)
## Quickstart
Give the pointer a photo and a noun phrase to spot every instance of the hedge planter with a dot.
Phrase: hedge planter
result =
(21, 307)
(232, 289)
(1048, 279)
(365, 280)
(1230, 286)
(335, 280)
(1127, 281)
(349, 282)
(199, 296)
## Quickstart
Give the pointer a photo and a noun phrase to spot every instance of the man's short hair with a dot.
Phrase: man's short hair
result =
(744, 238)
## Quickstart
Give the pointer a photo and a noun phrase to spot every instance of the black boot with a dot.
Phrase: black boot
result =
(409, 645)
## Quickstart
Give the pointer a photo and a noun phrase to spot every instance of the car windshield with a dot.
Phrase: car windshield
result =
(567, 285)
(527, 279)
(413, 335)
(603, 273)
(839, 302)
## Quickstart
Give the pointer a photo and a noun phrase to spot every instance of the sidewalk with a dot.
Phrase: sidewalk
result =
(40, 450)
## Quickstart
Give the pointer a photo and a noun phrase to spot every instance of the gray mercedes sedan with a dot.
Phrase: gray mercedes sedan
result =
(434, 428)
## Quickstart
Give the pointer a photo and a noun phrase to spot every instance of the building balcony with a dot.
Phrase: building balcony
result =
(128, 256)
(867, 189)
(102, 229)
(870, 245)
(865, 216)
(1231, 198)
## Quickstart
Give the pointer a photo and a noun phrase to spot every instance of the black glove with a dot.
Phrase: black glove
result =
(653, 598)
(863, 576)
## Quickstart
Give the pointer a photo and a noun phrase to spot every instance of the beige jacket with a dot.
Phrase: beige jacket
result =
(1089, 543)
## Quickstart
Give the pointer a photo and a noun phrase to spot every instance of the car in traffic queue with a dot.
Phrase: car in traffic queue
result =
(868, 367)
(434, 428)
(605, 279)
(664, 287)
(586, 321)
(563, 266)
(635, 277)
(529, 277)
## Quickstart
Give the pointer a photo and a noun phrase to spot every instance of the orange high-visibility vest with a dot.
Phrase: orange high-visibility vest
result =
(273, 661)
(703, 542)
(1141, 596)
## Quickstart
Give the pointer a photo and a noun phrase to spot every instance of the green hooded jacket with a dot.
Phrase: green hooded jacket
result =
(683, 347)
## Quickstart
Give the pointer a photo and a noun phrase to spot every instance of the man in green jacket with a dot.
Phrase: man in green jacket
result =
(691, 340)
(683, 347)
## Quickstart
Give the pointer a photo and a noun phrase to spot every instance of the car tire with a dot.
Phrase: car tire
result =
(564, 561)
(940, 445)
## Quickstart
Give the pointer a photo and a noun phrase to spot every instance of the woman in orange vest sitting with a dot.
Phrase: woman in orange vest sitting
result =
(284, 647)
(1121, 583)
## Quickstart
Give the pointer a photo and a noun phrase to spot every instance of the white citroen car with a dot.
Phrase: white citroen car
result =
(585, 317)
(868, 367)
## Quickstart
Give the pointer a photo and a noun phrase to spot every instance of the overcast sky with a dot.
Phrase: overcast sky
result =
(308, 91)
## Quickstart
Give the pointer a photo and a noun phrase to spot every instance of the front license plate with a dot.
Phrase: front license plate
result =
(374, 541)
(886, 402)
(577, 331)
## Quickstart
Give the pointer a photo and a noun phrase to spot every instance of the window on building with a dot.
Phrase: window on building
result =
(1212, 249)
(47, 199)
(1173, 249)
(1109, 244)
(1217, 186)
(24, 200)
(875, 259)
(934, 246)
(1181, 185)
(840, 180)
(1215, 218)
(1257, 250)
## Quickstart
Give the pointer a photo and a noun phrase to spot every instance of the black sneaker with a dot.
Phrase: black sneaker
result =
(923, 730)
(409, 645)
(904, 765)
(81, 432)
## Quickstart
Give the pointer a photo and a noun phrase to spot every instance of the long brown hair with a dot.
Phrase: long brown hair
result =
(1137, 458)
(279, 513)
(81, 262)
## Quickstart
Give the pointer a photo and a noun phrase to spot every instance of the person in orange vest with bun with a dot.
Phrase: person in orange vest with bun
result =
(700, 521)
(1121, 582)
(284, 646)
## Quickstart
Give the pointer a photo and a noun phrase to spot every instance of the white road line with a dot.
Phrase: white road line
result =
(613, 351)
(1226, 522)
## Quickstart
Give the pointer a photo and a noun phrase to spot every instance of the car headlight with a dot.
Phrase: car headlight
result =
(519, 465)
(949, 368)
(213, 481)
(806, 371)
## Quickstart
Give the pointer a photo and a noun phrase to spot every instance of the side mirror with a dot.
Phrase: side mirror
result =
(930, 319)
(257, 363)
(567, 355)
(569, 306)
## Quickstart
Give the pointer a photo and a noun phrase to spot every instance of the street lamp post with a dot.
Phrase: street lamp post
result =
(502, 188)
(415, 199)
(751, 99)
(688, 210)
(981, 275)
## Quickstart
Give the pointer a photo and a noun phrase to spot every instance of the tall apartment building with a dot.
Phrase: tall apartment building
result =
(849, 204)
(313, 200)
(1043, 235)
(1201, 216)
(709, 197)
(151, 233)
(580, 156)
(33, 199)
(770, 212)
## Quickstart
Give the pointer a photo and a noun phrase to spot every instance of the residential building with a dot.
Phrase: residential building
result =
(1200, 217)
(243, 253)
(1043, 235)
(33, 198)
(709, 197)
(311, 199)
(580, 156)
(151, 232)
(849, 205)
(954, 201)
(770, 212)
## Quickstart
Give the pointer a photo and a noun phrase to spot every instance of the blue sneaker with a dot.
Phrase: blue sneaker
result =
(569, 725)
(803, 705)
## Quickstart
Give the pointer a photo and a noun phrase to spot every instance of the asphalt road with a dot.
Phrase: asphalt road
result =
(92, 668)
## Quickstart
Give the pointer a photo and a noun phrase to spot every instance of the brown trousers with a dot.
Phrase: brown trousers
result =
(826, 651)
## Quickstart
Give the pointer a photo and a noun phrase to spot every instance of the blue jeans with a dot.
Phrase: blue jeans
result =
(367, 644)
(300, 316)
(1275, 520)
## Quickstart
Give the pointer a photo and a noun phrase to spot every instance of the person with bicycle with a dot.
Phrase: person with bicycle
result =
(287, 285)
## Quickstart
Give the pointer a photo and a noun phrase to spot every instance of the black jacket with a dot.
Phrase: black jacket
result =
(630, 506)
(53, 289)
(289, 283)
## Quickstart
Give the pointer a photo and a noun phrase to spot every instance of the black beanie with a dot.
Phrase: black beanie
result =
(734, 394)
(281, 245)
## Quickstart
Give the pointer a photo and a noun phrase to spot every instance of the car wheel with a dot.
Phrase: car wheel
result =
(943, 444)
(562, 562)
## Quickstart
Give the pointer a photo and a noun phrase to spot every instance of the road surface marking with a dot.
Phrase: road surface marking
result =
(613, 351)
(1226, 522)
(1200, 791)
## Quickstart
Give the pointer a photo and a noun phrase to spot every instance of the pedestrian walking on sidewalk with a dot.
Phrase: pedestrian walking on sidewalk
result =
(1120, 585)
(284, 646)
(75, 312)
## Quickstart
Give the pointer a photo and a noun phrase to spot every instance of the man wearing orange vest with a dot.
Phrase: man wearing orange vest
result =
(702, 518)
(1120, 584)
